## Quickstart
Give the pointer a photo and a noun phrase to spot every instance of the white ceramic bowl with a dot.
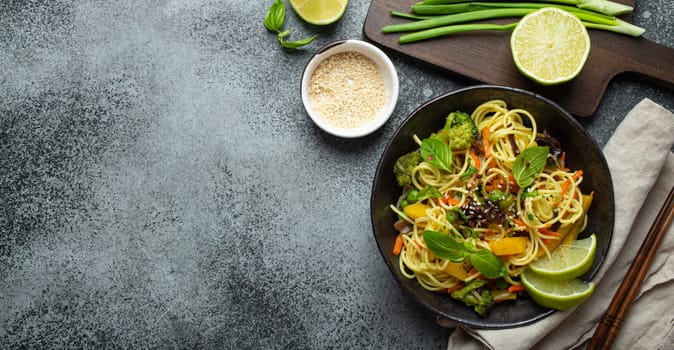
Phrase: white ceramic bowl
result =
(386, 69)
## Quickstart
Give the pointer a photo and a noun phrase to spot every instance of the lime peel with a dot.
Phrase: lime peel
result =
(319, 12)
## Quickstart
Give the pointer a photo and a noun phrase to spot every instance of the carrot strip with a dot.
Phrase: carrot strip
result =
(419, 246)
(519, 222)
(490, 187)
(515, 288)
(476, 160)
(565, 186)
(485, 143)
(448, 199)
(567, 183)
(548, 241)
(496, 184)
(398, 245)
(545, 231)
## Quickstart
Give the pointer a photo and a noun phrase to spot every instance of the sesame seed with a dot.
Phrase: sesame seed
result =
(347, 90)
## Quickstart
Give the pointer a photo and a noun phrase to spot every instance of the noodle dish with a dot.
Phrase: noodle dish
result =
(480, 184)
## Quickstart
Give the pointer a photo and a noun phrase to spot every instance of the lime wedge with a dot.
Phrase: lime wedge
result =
(550, 46)
(319, 12)
(568, 260)
(560, 295)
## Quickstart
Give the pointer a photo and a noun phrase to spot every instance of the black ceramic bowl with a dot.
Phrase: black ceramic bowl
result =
(582, 153)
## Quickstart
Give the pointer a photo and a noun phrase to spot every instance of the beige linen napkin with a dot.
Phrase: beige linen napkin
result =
(642, 167)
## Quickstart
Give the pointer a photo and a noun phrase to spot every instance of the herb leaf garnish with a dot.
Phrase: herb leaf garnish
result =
(528, 164)
(274, 23)
(299, 43)
(275, 16)
(488, 264)
(446, 247)
(437, 153)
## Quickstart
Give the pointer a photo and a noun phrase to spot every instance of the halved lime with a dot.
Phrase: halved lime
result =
(560, 295)
(568, 260)
(550, 46)
(319, 12)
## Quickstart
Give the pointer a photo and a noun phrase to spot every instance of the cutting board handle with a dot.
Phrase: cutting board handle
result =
(651, 60)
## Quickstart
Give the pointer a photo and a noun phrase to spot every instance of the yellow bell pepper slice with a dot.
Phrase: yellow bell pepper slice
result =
(509, 246)
(457, 270)
(416, 210)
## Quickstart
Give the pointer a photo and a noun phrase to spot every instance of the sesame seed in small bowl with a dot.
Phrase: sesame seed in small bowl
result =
(349, 88)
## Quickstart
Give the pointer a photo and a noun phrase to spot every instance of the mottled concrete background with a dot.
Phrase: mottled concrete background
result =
(162, 187)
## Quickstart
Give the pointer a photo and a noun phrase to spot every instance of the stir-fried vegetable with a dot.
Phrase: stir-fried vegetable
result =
(473, 294)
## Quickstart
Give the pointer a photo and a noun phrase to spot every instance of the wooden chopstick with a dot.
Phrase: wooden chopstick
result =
(610, 323)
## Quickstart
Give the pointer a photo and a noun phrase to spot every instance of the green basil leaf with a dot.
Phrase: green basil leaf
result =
(299, 43)
(444, 246)
(437, 153)
(275, 16)
(528, 164)
(490, 265)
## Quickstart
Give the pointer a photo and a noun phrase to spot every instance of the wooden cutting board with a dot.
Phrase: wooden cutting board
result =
(485, 57)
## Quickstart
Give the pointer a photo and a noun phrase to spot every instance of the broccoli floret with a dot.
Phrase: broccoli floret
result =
(459, 130)
(403, 167)
(480, 304)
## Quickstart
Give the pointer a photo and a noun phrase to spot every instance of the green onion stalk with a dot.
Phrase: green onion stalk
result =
(455, 19)
(606, 7)
(452, 29)
(421, 9)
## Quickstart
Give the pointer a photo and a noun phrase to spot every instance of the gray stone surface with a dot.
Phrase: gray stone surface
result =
(162, 187)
